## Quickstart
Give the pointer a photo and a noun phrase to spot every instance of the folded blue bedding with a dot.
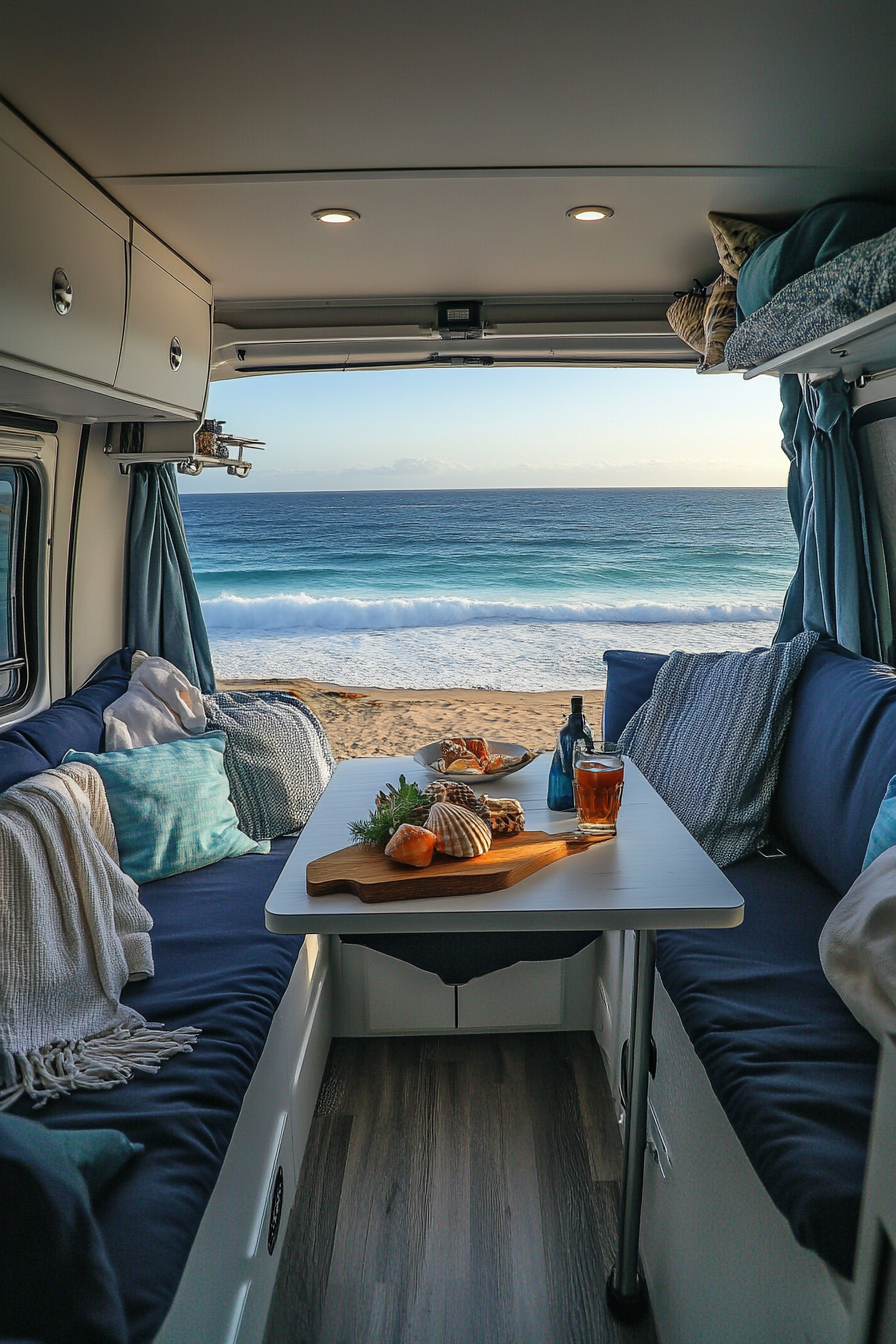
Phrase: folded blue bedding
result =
(217, 968)
(859, 281)
(792, 1068)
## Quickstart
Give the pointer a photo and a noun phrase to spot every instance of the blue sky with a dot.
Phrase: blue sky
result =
(481, 428)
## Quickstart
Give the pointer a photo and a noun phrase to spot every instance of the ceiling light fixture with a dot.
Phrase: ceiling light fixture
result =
(589, 214)
(335, 215)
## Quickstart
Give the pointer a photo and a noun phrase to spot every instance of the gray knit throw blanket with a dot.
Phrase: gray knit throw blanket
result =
(709, 740)
(72, 933)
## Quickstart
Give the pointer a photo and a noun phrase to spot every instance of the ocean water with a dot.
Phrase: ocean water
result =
(499, 589)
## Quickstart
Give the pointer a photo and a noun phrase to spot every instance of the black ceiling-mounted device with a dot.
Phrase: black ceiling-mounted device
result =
(460, 320)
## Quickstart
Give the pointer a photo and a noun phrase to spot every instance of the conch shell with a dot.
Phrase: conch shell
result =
(505, 815)
(412, 845)
(460, 833)
(455, 791)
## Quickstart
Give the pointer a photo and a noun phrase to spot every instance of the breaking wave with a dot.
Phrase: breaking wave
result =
(302, 612)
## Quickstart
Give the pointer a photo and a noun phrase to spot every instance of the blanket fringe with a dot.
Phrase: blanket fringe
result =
(98, 1063)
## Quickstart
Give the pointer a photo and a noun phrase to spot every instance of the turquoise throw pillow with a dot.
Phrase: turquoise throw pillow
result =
(171, 806)
(883, 832)
(99, 1154)
(95, 1154)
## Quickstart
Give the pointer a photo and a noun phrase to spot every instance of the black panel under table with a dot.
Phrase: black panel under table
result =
(457, 958)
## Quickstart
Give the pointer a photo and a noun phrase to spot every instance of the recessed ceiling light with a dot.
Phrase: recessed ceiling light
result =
(336, 215)
(588, 214)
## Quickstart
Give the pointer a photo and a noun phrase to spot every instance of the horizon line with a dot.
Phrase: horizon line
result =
(486, 489)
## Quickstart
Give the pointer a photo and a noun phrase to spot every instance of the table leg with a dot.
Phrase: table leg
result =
(626, 1290)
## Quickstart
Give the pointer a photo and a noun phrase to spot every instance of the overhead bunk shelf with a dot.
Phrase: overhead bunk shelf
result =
(862, 348)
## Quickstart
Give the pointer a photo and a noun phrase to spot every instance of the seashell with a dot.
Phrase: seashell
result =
(454, 791)
(412, 845)
(460, 833)
(506, 815)
(455, 749)
(460, 764)
(478, 747)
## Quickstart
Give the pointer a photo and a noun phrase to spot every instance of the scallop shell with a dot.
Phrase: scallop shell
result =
(458, 832)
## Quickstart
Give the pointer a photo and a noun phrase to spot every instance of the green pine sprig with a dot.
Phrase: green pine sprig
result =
(395, 807)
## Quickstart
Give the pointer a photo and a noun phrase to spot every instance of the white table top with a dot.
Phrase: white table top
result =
(654, 875)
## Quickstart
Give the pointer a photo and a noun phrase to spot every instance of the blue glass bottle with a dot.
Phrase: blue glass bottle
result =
(576, 729)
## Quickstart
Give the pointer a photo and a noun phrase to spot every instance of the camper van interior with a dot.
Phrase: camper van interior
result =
(643, 1092)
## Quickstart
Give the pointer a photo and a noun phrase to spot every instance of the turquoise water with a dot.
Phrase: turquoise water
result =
(515, 588)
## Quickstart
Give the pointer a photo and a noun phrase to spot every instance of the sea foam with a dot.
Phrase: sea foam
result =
(303, 612)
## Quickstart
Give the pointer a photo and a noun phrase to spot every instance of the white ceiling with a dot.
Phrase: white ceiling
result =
(455, 235)
(661, 110)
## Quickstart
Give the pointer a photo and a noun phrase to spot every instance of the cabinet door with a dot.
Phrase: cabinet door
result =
(44, 230)
(164, 317)
(529, 994)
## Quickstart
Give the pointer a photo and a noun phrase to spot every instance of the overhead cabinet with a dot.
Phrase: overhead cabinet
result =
(63, 275)
(167, 340)
(98, 318)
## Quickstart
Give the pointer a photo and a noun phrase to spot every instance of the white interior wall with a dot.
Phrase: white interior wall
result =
(97, 619)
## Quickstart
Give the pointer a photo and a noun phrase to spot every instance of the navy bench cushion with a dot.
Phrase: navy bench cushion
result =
(217, 968)
(630, 678)
(75, 722)
(838, 758)
(793, 1070)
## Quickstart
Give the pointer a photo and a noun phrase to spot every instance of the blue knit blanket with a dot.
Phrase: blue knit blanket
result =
(709, 740)
(278, 758)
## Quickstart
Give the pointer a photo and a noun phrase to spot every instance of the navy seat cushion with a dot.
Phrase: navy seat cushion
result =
(75, 722)
(838, 758)
(630, 678)
(792, 1068)
(457, 958)
(217, 968)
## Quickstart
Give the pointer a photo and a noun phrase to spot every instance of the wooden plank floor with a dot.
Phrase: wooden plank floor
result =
(456, 1190)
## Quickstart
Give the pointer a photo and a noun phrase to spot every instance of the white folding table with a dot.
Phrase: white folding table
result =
(653, 876)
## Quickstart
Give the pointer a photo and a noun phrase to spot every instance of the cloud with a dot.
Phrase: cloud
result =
(408, 473)
(406, 466)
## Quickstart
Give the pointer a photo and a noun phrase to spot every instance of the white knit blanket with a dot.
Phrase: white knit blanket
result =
(160, 705)
(72, 933)
(858, 946)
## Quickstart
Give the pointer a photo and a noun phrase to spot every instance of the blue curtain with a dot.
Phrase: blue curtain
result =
(163, 615)
(840, 586)
(832, 591)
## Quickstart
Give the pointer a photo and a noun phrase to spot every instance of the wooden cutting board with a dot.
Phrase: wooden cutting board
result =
(371, 876)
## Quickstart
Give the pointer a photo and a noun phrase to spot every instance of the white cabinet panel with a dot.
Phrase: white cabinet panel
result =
(402, 998)
(42, 230)
(529, 994)
(163, 316)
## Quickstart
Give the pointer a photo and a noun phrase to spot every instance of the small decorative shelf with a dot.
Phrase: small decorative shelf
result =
(193, 464)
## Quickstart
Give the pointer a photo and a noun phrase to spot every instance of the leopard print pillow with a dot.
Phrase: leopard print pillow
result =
(720, 319)
(735, 240)
(686, 317)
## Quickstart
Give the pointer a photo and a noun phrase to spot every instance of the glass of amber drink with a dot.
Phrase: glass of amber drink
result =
(597, 787)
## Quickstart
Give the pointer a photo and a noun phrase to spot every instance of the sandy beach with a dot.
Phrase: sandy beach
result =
(366, 721)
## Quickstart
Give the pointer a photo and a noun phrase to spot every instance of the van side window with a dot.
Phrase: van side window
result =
(17, 485)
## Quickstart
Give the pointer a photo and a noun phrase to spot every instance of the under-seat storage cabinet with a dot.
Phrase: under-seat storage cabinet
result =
(63, 275)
